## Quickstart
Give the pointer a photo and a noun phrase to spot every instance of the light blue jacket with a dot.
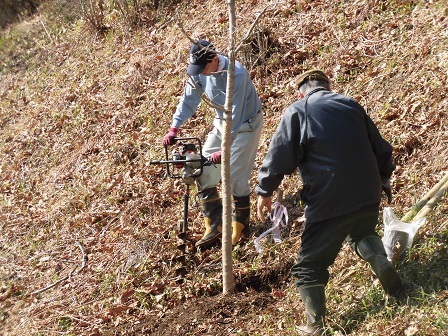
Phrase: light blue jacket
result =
(246, 102)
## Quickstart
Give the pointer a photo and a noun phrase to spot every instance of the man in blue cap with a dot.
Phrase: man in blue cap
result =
(208, 72)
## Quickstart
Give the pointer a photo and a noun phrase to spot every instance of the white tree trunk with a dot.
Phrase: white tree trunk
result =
(227, 265)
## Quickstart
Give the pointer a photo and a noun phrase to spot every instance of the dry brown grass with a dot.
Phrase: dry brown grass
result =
(82, 113)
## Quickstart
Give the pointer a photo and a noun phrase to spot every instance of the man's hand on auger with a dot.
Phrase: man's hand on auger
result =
(216, 157)
(170, 137)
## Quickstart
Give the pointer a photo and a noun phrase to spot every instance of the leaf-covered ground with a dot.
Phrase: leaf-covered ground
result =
(88, 242)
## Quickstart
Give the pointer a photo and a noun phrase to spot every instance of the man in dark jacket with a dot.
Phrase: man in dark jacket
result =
(344, 164)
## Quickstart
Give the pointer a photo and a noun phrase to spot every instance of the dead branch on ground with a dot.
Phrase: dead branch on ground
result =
(83, 264)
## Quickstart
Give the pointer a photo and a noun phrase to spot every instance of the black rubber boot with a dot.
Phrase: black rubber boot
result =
(313, 298)
(371, 249)
(240, 218)
(212, 210)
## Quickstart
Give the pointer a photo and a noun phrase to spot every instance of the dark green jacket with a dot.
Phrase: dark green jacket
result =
(339, 151)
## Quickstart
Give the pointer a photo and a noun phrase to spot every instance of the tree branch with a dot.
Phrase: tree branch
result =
(249, 32)
(83, 264)
(204, 97)
(181, 27)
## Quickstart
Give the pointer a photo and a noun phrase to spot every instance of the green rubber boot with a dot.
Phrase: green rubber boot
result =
(371, 249)
(313, 298)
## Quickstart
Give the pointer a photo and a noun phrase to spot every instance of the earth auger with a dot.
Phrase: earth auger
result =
(186, 163)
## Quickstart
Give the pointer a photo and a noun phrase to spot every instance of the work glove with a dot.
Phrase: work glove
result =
(385, 185)
(170, 138)
(216, 157)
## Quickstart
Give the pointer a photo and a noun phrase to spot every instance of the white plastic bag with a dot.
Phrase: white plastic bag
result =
(279, 218)
(398, 235)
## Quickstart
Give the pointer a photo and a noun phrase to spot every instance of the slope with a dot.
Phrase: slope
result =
(83, 111)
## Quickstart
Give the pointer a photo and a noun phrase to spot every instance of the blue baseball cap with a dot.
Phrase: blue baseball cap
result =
(201, 54)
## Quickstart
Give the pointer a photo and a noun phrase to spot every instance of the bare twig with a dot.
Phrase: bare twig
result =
(83, 264)
(181, 27)
(193, 41)
(204, 97)
(249, 32)
(46, 31)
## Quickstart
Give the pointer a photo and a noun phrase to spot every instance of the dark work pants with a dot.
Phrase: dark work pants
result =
(322, 241)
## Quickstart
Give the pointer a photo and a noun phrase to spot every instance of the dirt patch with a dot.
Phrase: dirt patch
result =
(266, 279)
(217, 315)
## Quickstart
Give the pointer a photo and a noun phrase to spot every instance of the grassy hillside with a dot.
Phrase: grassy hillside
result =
(88, 226)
